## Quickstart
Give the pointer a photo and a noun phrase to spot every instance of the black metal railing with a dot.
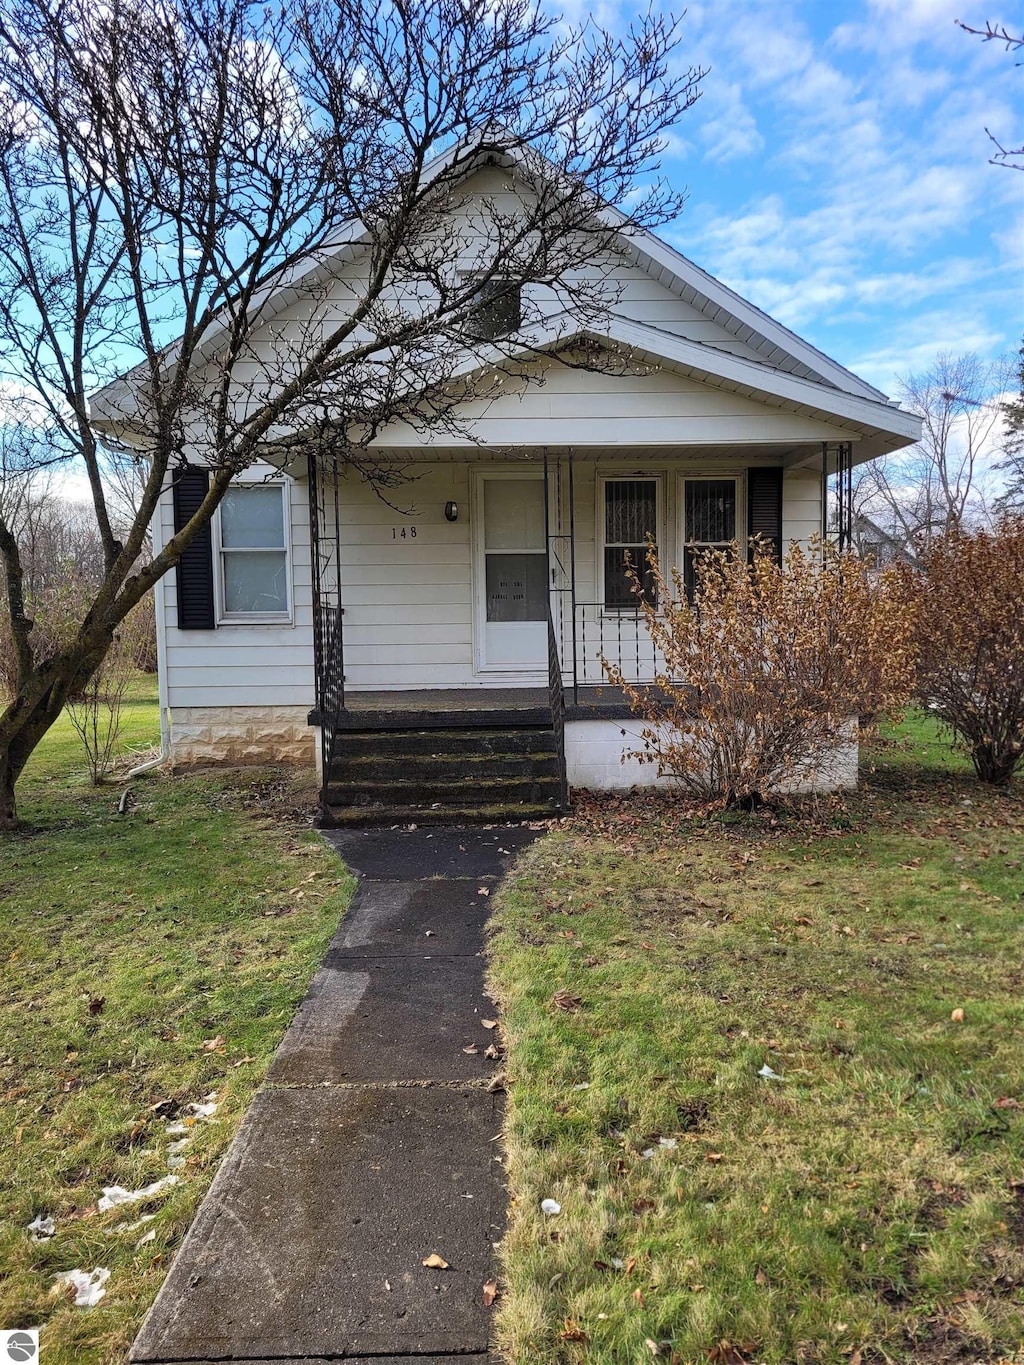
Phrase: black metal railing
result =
(556, 700)
(619, 637)
(330, 679)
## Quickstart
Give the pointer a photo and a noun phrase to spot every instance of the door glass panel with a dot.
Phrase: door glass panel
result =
(516, 586)
(513, 515)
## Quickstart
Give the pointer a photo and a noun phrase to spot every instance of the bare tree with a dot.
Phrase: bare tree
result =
(166, 169)
(942, 482)
(62, 565)
(1012, 465)
(1010, 157)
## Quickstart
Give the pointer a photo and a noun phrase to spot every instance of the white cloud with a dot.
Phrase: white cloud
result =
(848, 190)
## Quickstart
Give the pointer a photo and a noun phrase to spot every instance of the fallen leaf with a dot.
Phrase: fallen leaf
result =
(714, 1156)
(1005, 1102)
(572, 1331)
(434, 1262)
(760, 1277)
(96, 1004)
(472, 1049)
(725, 1353)
(566, 1000)
(490, 1292)
(957, 1016)
(638, 1295)
(489, 1023)
(484, 891)
(213, 1044)
(492, 1052)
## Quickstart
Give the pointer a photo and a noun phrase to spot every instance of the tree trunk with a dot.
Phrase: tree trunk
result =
(30, 715)
(14, 754)
(8, 805)
(993, 767)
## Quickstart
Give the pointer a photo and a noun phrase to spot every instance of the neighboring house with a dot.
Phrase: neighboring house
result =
(447, 657)
(871, 541)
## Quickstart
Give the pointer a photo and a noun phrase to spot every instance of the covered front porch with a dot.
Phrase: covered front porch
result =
(488, 594)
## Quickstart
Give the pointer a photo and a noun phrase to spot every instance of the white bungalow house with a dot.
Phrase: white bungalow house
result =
(445, 657)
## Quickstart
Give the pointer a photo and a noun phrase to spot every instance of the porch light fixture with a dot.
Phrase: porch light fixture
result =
(451, 511)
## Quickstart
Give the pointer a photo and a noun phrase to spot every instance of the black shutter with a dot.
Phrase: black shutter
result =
(195, 567)
(764, 507)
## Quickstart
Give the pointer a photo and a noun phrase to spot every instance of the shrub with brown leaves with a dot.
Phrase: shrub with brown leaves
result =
(970, 635)
(764, 669)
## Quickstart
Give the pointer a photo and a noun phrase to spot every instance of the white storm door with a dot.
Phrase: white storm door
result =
(512, 573)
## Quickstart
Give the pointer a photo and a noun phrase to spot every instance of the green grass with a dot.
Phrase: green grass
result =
(127, 943)
(873, 1199)
(60, 760)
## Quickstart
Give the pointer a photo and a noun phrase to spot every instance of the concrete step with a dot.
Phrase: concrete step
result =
(464, 792)
(376, 817)
(465, 767)
(475, 740)
(509, 718)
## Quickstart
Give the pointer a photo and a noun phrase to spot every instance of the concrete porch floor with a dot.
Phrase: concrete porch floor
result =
(449, 699)
(597, 703)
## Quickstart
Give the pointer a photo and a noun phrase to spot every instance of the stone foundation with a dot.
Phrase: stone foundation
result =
(236, 736)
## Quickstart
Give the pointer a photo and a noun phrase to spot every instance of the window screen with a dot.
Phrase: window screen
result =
(254, 556)
(710, 521)
(630, 516)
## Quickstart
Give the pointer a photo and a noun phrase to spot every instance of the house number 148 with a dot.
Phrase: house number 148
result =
(403, 533)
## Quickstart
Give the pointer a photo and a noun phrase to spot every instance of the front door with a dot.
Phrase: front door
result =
(512, 572)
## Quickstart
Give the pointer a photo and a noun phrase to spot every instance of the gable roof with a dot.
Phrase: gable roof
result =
(873, 424)
(782, 352)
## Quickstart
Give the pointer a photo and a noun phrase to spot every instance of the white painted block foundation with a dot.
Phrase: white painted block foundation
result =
(595, 749)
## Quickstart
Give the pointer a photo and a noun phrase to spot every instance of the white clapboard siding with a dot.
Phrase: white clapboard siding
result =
(626, 287)
(801, 505)
(409, 619)
(572, 407)
(244, 665)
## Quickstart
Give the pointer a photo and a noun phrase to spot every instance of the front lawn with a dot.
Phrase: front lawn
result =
(861, 1202)
(151, 962)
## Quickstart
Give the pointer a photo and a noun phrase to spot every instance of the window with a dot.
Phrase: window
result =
(498, 311)
(709, 521)
(254, 552)
(630, 517)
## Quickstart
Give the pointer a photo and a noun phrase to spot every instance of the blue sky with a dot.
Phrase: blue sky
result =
(838, 172)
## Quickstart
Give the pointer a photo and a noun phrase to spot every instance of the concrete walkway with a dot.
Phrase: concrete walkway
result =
(371, 1145)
